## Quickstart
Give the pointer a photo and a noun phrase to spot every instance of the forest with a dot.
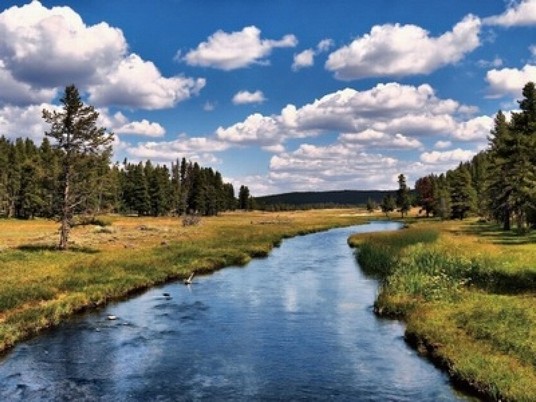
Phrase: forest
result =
(499, 183)
(73, 174)
(30, 181)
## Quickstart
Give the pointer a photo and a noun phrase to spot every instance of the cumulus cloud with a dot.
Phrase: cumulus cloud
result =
(379, 140)
(143, 127)
(510, 81)
(476, 129)
(390, 109)
(306, 58)
(401, 50)
(518, 13)
(245, 97)
(43, 49)
(230, 51)
(442, 144)
(455, 156)
(24, 121)
(303, 59)
(312, 167)
(20, 93)
(138, 84)
(194, 148)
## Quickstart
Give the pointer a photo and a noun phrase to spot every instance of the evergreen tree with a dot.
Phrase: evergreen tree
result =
(403, 201)
(462, 193)
(371, 205)
(499, 189)
(388, 204)
(243, 198)
(76, 134)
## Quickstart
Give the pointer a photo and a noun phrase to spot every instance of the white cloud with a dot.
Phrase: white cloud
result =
(442, 144)
(400, 50)
(20, 122)
(53, 47)
(303, 59)
(306, 58)
(510, 81)
(255, 130)
(379, 140)
(518, 13)
(209, 106)
(447, 157)
(476, 129)
(230, 51)
(137, 83)
(195, 148)
(495, 63)
(143, 127)
(324, 45)
(387, 108)
(44, 49)
(334, 166)
(245, 97)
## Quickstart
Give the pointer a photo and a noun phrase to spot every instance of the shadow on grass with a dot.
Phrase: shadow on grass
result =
(506, 283)
(497, 235)
(33, 248)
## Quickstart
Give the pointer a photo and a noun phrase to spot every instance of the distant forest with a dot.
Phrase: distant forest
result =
(324, 199)
(30, 185)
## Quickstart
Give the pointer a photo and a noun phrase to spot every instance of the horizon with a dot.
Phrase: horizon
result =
(344, 100)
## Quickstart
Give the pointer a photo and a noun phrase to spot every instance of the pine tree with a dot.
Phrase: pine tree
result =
(403, 201)
(388, 204)
(499, 189)
(462, 193)
(76, 134)
(243, 198)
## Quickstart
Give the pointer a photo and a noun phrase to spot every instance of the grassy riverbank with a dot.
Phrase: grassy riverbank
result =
(41, 286)
(468, 294)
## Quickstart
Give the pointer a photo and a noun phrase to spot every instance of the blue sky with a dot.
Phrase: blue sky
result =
(281, 95)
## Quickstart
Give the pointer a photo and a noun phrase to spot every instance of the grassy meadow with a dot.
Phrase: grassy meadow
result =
(468, 294)
(41, 286)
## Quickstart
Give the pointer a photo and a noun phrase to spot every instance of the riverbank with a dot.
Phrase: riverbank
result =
(41, 286)
(467, 293)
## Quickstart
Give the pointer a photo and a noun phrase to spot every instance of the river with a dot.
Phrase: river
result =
(297, 325)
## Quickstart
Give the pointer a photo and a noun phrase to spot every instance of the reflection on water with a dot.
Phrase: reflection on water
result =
(295, 325)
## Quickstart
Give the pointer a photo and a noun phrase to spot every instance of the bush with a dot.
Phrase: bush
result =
(190, 220)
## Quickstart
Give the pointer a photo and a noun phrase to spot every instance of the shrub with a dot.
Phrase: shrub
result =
(190, 220)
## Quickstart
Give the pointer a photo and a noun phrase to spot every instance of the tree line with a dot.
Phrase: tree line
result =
(498, 183)
(72, 169)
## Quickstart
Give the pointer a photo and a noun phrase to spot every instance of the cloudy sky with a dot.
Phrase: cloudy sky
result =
(280, 95)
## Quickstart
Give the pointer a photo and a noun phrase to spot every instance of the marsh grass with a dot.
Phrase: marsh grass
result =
(42, 286)
(468, 298)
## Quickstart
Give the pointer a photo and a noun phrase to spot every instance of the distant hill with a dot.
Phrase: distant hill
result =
(332, 198)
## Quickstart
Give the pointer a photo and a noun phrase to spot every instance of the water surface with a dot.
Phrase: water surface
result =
(297, 325)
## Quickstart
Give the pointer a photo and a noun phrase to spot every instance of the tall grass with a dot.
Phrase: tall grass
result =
(468, 302)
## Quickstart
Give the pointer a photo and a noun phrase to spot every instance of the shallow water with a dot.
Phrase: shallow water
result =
(297, 325)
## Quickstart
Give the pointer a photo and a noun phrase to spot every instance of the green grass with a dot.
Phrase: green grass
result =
(468, 298)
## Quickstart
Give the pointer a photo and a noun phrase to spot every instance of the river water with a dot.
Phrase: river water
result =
(297, 325)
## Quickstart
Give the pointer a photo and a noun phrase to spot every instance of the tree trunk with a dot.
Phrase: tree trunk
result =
(506, 221)
(65, 212)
